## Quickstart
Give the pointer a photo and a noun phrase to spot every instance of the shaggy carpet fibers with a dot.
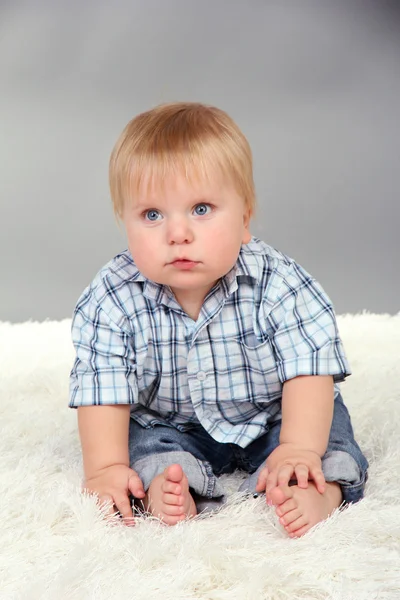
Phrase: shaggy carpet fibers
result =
(55, 545)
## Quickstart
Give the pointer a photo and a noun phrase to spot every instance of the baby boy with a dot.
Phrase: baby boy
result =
(200, 349)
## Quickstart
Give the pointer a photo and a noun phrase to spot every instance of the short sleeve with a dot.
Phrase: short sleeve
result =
(104, 370)
(306, 339)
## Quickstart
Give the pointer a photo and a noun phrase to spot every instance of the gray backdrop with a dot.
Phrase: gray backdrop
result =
(314, 85)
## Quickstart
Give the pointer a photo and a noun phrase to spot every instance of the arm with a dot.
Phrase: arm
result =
(104, 354)
(103, 431)
(309, 355)
(307, 412)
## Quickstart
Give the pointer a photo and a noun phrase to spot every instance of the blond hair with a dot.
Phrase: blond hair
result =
(181, 137)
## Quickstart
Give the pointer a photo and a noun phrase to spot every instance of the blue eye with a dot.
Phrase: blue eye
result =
(152, 215)
(202, 209)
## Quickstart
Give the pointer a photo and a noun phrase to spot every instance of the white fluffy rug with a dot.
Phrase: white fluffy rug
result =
(54, 544)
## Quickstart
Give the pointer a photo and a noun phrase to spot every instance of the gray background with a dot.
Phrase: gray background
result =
(314, 85)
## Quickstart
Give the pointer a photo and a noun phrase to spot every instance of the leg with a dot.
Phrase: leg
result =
(175, 467)
(345, 470)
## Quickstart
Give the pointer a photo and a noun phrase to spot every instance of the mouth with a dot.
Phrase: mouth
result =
(183, 263)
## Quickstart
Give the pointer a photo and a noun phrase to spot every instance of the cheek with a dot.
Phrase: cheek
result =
(144, 245)
(228, 234)
(139, 238)
(145, 257)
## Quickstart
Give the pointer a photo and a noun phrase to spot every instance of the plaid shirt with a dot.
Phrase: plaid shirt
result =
(265, 322)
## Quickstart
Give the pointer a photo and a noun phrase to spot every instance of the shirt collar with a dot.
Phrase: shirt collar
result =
(250, 261)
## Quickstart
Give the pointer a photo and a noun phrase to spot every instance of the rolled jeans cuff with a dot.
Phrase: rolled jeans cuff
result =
(341, 467)
(199, 472)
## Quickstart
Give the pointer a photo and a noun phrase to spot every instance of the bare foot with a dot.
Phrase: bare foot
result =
(300, 509)
(168, 496)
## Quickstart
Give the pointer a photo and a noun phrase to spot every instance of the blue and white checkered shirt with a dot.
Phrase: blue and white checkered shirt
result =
(265, 322)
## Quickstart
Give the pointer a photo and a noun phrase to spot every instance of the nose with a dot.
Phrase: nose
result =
(179, 231)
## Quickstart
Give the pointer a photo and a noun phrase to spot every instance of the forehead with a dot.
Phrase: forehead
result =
(192, 185)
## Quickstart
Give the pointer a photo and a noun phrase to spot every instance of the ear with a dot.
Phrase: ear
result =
(246, 223)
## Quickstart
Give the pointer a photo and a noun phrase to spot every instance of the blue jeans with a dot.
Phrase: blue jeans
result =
(202, 458)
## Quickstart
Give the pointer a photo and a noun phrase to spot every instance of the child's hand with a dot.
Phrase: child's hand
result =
(114, 484)
(286, 462)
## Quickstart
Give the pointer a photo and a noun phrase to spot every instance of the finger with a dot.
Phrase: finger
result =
(124, 507)
(284, 475)
(262, 480)
(272, 480)
(302, 474)
(135, 486)
(319, 479)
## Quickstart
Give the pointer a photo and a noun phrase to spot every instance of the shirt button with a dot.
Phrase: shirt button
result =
(201, 376)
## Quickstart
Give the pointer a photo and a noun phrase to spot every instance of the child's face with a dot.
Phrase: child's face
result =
(187, 236)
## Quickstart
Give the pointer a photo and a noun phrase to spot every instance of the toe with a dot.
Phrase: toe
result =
(290, 517)
(172, 510)
(172, 520)
(172, 499)
(174, 473)
(280, 494)
(169, 487)
(296, 524)
(301, 531)
(286, 507)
